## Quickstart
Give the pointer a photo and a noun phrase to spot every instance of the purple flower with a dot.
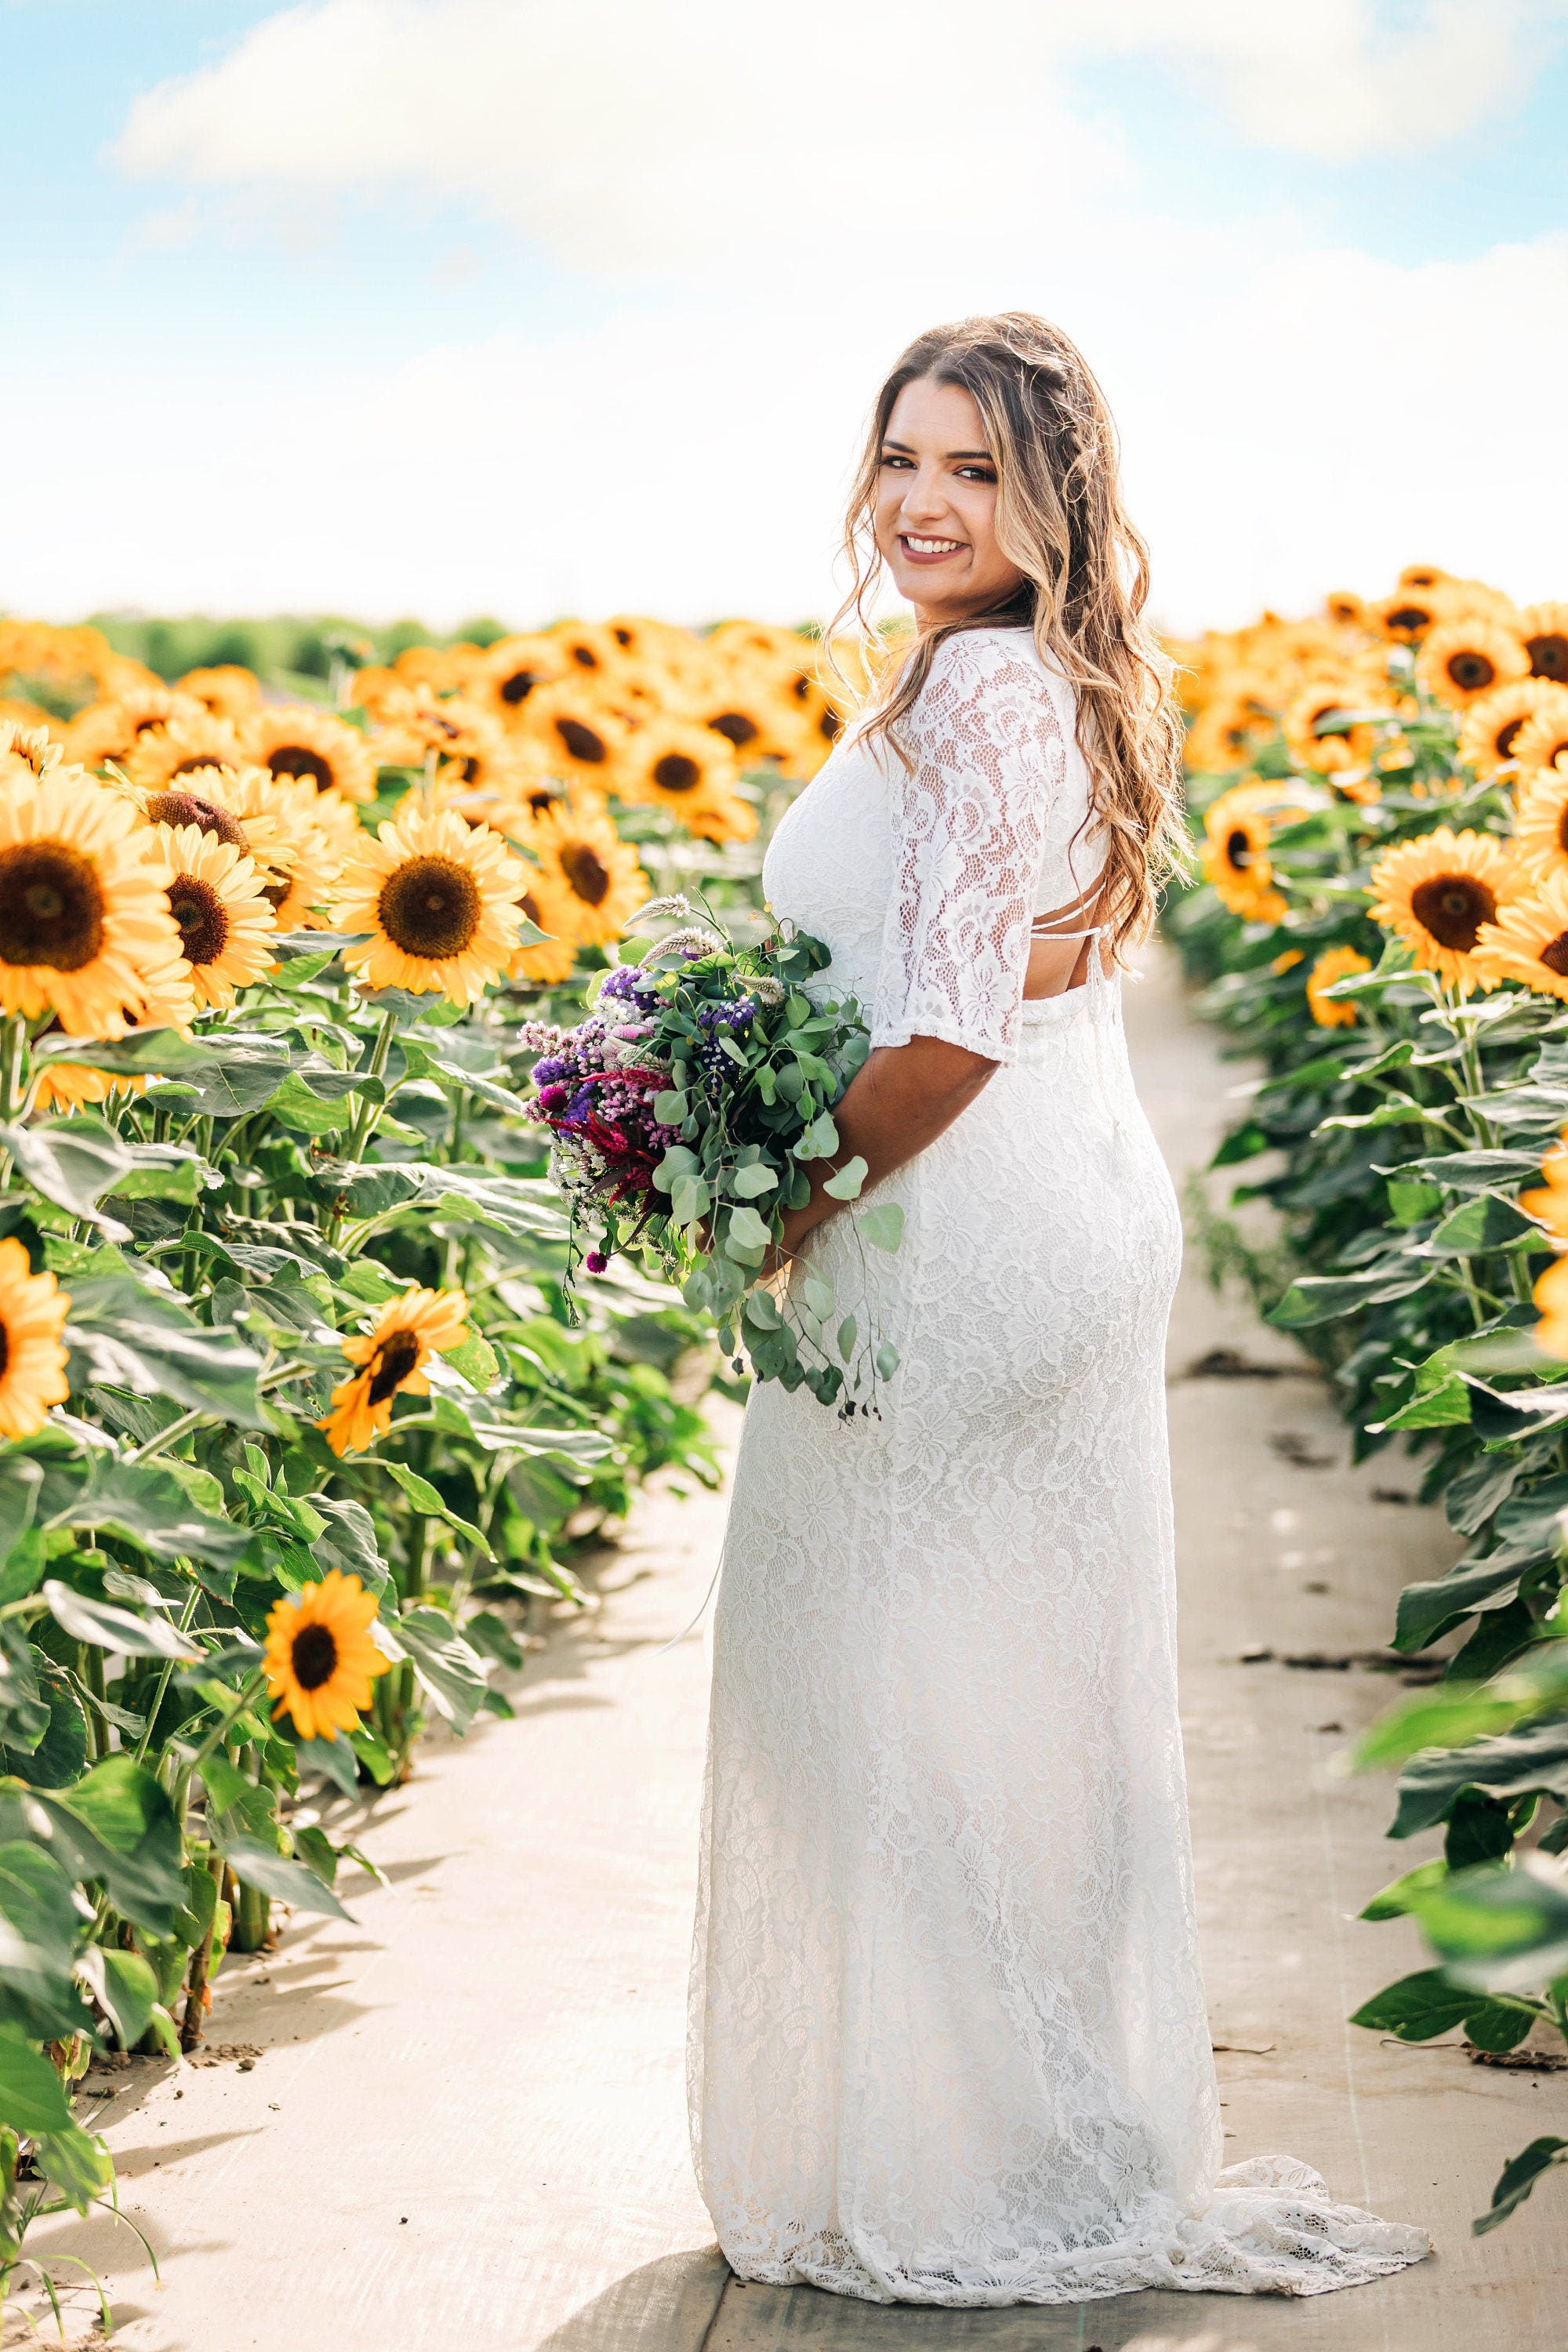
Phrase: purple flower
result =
(596, 1262)
(551, 1098)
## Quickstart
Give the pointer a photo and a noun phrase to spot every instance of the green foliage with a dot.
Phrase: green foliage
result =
(1397, 1144)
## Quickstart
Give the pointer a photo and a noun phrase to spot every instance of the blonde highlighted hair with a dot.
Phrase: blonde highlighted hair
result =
(1059, 521)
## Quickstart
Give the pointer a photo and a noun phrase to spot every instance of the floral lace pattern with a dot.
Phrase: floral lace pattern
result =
(949, 2041)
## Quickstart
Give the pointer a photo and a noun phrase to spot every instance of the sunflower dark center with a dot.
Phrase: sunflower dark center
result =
(676, 773)
(51, 908)
(518, 686)
(530, 909)
(1452, 907)
(431, 907)
(473, 770)
(736, 728)
(1549, 656)
(1412, 620)
(1563, 828)
(396, 1360)
(830, 726)
(539, 802)
(189, 808)
(1503, 741)
(314, 1656)
(587, 872)
(1554, 955)
(585, 743)
(4, 1350)
(201, 916)
(1471, 672)
(585, 658)
(298, 760)
(1238, 849)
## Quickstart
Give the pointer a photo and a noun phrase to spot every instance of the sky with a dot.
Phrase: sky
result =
(450, 307)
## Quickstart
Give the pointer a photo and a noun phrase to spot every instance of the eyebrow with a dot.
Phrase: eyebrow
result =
(888, 443)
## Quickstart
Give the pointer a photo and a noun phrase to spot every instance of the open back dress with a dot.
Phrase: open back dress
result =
(949, 2040)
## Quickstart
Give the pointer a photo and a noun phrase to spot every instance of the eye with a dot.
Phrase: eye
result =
(896, 458)
(977, 473)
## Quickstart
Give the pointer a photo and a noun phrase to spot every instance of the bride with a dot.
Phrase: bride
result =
(949, 2042)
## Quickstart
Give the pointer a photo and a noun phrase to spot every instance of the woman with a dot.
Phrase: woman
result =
(949, 2035)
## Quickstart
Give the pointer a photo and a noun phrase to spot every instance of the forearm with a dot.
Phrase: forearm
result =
(899, 1102)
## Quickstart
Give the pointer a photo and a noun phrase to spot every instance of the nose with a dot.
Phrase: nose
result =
(923, 499)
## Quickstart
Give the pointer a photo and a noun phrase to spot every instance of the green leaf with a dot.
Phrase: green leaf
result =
(1324, 1299)
(1400, 1896)
(166, 1172)
(450, 1670)
(124, 1988)
(749, 1183)
(335, 1759)
(848, 1332)
(296, 1105)
(281, 1877)
(492, 1637)
(746, 1235)
(887, 1361)
(1415, 2007)
(32, 2096)
(761, 1311)
(671, 1108)
(72, 1162)
(819, 1140)
(117, 1824)
(39, 1926)
(1500, 1928)
(1535, 1758)
(1399, 1110)
(1485, 1223)
(144, 1503)
(475, 1363)
(882, 1227)
(429, 1502)
(125, 1333)
(231, 1071)
(1442, 1400)
(115, 1629)
(347, 1542)
(1518, 2177)
(850, 1180)
(24, 1710)
(61, 1753)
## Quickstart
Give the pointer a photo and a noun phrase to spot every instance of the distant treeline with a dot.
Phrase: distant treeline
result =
(282, 646)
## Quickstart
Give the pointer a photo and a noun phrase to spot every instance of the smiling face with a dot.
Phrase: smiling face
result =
(936, 506)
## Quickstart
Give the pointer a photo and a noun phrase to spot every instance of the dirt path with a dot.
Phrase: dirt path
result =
(494, 2051)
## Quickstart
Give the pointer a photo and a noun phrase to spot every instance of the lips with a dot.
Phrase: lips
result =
(919, 548)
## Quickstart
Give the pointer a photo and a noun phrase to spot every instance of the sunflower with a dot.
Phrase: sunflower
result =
(300, 883)
(444, 669)
(33, 746)
(582, 740)
(1550, 1204)
(1544, 628)
(1346, 608)
(1541, 818)
(660, 642)
(1235, 859)
(217, 897)
(440, 899)
(113, 730)
(178, 746)
(1406, 617)
(749, 706)
(1529, 941)
(1542, 740)
(1313, 743)
(1464, 659)
(1423, 575)
(85, 929)
(390, 1361)
(1233, 724)
(1437, 892)
(551, 960)
(320, 1659)
(591, 878)
(239, 805)
(587, 649)
(1551, 1295)
(71, 1086)
(33, 1308)
(1493, 723)
(295, 741)
(227, 691)
(672, 764)
(1334, 963)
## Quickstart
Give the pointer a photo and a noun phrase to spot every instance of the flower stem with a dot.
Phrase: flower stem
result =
(11, 1074)
(368, 1115)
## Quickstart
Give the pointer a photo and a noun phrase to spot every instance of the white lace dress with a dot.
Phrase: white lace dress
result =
(949, 2040)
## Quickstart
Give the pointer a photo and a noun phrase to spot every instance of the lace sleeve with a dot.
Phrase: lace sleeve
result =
(968, 837)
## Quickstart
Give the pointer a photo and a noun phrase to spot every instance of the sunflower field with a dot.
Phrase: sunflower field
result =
(1382, 798)
(298, 1417)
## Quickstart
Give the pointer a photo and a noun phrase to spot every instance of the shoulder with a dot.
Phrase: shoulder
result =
(992, 680)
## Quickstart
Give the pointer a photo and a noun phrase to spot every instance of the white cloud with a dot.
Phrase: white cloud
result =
(812, 192)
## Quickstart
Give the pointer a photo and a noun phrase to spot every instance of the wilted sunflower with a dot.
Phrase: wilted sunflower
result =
(1545, 631)
(582, 740)
(1437, 891)
(66, 1087)
(591, 876)
(1542, 740)
(440, 900)
(1334, 963)
(551, 960)
(1235, 858)
(1493, 724)
(33, 1309)
(217, 898)
(297, 741)
(188, 740)
(390, 1361)
(1540, 819)
(84, 925)
(1462, 660)
(1529, 941)
(320, 1659)
(228, 691)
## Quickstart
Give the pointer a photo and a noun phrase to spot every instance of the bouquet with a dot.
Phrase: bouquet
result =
(685, 1113)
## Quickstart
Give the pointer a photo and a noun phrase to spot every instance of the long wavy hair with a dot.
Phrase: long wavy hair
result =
(1059, 521)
